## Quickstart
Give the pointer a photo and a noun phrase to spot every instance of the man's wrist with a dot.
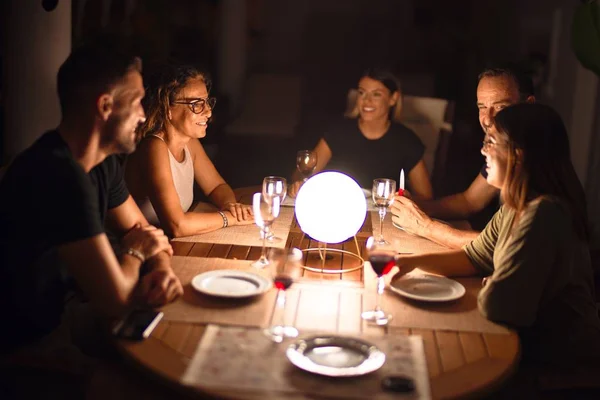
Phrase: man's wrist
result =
(425, 227)
(135, 253)
(157, 262)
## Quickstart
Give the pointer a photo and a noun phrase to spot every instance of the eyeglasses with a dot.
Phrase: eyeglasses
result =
(198, 105)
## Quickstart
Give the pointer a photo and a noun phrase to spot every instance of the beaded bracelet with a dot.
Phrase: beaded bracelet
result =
(225, 221)
(136, 253)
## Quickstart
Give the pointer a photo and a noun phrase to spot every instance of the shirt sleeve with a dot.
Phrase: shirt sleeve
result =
(118, 191)
(414, 149)
(481, 250)
(332, 135)
(512, 294)
(72, 205)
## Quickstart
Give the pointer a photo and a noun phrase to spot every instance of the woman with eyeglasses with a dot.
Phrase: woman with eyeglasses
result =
(534, 252)
(370, 144)
(170, 158)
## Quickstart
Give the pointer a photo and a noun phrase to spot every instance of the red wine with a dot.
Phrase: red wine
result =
(283, 282)
(382, 263)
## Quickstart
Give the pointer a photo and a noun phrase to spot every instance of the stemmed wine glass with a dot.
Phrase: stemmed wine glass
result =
(383, 196)
(382, 260)
(284, 267)
(306, 162)
(266, 209)
(274, 186)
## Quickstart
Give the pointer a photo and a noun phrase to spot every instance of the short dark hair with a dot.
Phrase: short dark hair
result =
(517, 74)
(385, 76)
(94, 66)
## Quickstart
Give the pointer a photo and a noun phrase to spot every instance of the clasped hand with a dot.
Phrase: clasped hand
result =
(160, 286)
(149, 240)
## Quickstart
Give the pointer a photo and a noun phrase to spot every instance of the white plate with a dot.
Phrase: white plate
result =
(231, 283)
(428, 288)
(335, 356)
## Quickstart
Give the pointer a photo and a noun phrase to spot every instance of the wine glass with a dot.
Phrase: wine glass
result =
(306, 162)
(274, 186)
(382, 260)
(285, 267)
(383, 196)
(266, 209)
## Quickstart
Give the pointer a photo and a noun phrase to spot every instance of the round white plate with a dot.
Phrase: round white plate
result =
(335, 356)
(428, 288)
(231, 283)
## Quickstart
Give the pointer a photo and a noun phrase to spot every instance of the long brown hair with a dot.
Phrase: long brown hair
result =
(162, 88)
(539, 161)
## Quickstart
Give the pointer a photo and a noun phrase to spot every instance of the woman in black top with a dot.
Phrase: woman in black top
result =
(372, 146)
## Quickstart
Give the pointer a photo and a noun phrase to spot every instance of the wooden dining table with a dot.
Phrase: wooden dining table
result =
(466, 355)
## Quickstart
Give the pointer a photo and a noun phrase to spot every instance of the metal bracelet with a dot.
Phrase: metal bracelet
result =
(225, 221)
(136, 253)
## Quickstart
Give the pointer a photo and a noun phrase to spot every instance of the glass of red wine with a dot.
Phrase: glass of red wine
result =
(285, 266)
(382, 258)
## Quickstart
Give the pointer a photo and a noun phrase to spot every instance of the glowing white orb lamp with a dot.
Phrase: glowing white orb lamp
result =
(331, 208)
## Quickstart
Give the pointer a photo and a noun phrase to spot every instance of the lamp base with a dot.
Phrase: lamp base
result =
(323, 256)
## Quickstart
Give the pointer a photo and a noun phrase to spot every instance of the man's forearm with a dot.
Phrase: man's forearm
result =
(446, 235)
(449, 207)
(131, 267)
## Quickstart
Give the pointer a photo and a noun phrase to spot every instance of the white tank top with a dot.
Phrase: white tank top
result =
(183, 178)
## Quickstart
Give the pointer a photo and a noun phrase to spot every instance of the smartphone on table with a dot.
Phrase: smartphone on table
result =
(138, 324)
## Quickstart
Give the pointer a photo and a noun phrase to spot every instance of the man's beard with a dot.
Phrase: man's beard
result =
(125, 143)
(127, 146)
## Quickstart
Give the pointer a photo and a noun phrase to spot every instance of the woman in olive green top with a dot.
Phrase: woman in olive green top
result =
(534, 252)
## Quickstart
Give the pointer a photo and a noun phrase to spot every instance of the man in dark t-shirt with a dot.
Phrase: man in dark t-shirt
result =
(57, 196)
(47, 199)
(498, 88)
